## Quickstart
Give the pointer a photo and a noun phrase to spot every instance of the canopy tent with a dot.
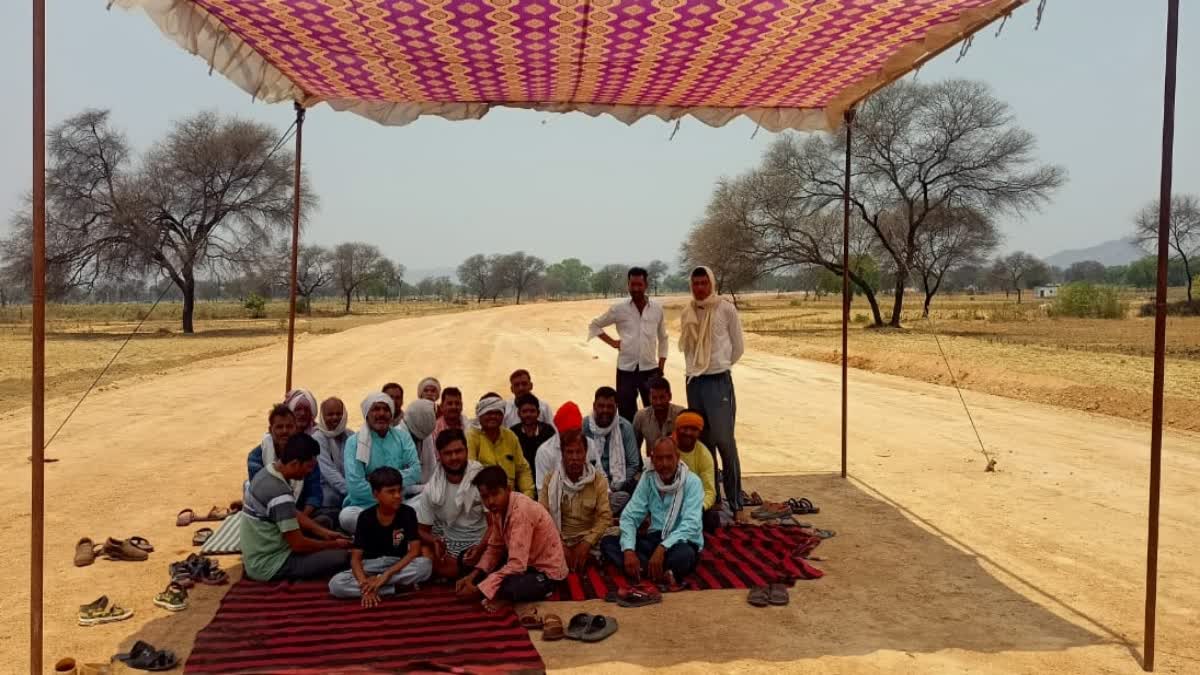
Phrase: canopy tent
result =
(786, 64)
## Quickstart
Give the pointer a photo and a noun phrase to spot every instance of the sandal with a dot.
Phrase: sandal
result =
(173, 599)
(771, 510)
(143, 656)
(638, 597)
(94, 615)
(119, 549)
(802, 506)
(669, 585)
(531, 620)
(777, 594)
(142, 543)
(758, 597)
(85, 552)
(578, 625)
(99, 603)
(599, 628)
(185, 518)
(201, 536)
(552, 628)
(215, 513)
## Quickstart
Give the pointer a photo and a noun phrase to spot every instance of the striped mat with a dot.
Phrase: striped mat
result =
(300, 628)
(227, 540)
(733, 557)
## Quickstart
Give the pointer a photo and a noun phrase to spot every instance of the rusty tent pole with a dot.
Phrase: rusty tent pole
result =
(38, 330)
(291, 346)
(1160, 331)
(849, 118)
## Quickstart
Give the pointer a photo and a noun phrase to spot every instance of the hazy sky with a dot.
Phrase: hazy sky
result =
(1088, 84)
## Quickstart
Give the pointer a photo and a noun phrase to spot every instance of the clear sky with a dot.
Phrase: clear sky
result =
(1088, 84)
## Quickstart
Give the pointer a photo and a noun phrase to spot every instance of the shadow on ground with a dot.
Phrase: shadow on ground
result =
(889, 585)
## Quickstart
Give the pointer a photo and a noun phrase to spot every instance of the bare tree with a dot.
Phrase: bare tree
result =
(951, 238)
(1020, 270)
(1089, 271)
(476, 274)
(208, 193)
(1183, 232)
(314, 270)
(919, 148)
(519, 271)
(354, 265)
(711, 243)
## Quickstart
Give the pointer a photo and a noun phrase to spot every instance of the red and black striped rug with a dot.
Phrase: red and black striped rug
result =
(733, 557)
(300, 628)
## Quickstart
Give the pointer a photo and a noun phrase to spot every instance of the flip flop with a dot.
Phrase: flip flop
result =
(118, 549)
(638, 597)
(145, 657)
(201, 536)
(578, 625)
(214, 514)
(552, 628)
(599, 628)
(758, 596)
(802, 506)
(531, 620)
(777, 594)
(185, 518)
(142, 543)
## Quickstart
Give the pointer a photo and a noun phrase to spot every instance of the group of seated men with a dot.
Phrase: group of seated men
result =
(505, 504)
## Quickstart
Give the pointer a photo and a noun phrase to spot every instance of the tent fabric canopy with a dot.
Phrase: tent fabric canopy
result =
(786, 64)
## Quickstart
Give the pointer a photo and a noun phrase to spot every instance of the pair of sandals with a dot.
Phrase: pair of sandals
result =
(197, 569)
(638, 595)
(100, 611)
(188, 516)
(145, 656)
(583, 627)
(773, 594)
(133, 549)
(792, 507)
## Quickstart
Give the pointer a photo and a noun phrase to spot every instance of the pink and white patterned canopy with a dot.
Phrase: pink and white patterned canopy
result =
(784, 63)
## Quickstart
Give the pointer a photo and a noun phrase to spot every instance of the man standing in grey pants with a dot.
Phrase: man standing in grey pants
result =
(711, 341)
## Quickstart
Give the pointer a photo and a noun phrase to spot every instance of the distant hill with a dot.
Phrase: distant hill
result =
(1115, 252)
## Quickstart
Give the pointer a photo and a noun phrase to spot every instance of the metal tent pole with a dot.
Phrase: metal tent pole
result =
(291, 345)
(849, 119)
(38, 330)
(1160, 331)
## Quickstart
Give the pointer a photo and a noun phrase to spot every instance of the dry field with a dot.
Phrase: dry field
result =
(999, 347)
(937, 566)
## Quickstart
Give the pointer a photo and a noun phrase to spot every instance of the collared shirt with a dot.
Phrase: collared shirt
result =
(646, 428)
(603, 448)
(643, 334)
(505, 453)
(700, 462)
(530, 444)
(512, 418)
(332, 462)
(586, 515)
(396, 450)
(648, 501)
(726, 345)
(528, 538)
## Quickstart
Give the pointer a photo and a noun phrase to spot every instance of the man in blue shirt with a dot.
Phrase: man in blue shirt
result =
(673, 498)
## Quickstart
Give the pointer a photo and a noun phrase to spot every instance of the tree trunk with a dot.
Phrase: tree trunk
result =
(898, 302)
(1018, 295)
(518, 296)
(928, 300)
(308, 305)
(347, 311)
(876, 315)
(188, 288)
(1187, 273)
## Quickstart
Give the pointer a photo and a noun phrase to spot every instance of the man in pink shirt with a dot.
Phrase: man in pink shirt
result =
(524, 558)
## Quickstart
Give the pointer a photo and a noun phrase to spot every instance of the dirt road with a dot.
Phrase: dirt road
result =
(937, 566)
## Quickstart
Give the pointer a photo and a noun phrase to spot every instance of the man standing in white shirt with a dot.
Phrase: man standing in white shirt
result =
(641, 345)
(711, 341)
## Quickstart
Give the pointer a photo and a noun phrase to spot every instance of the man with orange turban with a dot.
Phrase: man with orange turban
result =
(688, 427)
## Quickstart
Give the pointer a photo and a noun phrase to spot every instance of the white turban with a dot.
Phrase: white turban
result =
(362, 451)
(341, 427)
(489, 404)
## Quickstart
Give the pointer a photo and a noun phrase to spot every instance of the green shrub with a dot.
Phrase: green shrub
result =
(256, 305)
(1088, 301)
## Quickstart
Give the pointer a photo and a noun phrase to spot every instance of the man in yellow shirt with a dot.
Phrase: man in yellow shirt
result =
(493, 445)
(699, 459)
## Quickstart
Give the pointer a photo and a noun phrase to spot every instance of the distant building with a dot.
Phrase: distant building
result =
(1048, 291)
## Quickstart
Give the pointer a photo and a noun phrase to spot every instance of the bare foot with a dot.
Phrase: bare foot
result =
(742, 517)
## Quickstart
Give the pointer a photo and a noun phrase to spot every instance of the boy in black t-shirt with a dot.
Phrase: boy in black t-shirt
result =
(387, 547)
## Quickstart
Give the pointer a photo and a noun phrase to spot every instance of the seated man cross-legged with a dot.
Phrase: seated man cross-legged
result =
(377, 443)
(274, 545)
(576, 495)
(281, 426)
(674, 499)
(523, 560)
(699, 459)
(387, 547)
(616, 445)
(449, 512)
(494, 445)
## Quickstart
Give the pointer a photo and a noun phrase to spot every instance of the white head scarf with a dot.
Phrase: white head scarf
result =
(616, 446)
(559, 483)
(489, 404)
(429, 380)
(420, 417)
(695, 332)
(297, 396)
(341, 427)
(438, 485)
(363, 438)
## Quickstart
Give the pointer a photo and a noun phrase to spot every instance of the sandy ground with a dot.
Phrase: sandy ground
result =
(937, 566)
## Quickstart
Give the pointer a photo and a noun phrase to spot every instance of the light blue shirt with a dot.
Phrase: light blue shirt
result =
(647, 500)
(396, 450)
